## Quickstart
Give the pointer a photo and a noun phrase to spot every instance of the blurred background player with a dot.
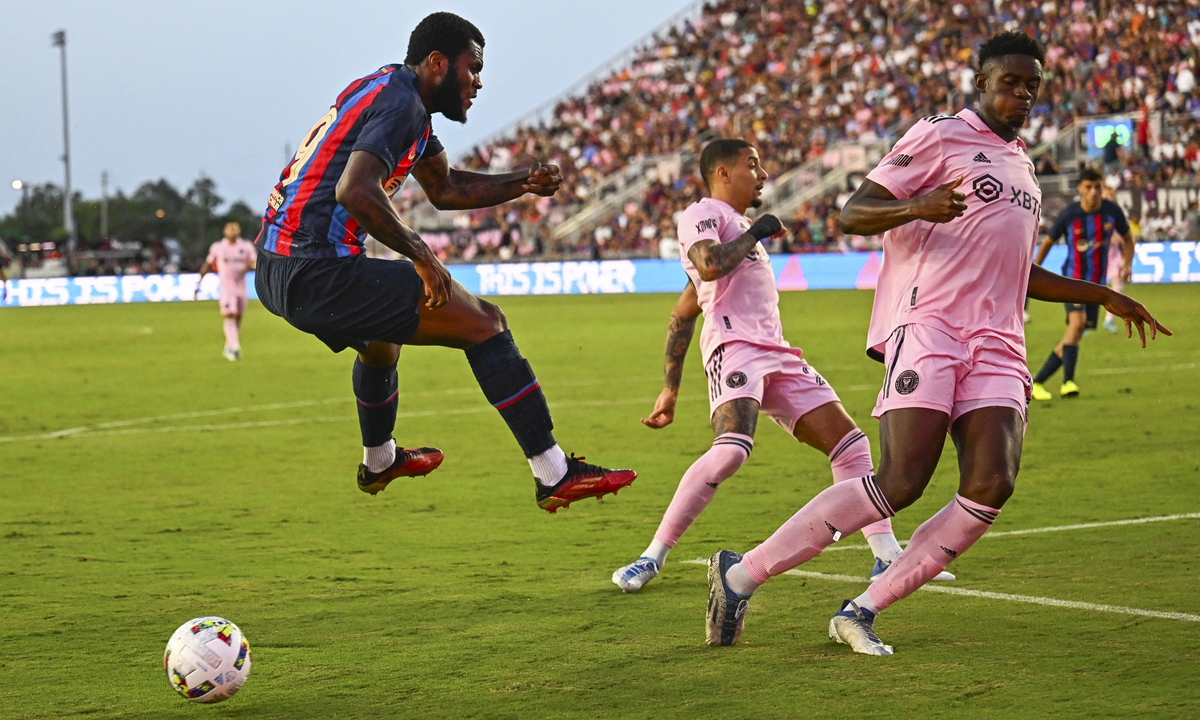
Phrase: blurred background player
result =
(232, 258)
(749, 364)
(1120, 269)
(947, 324)
(1087, 226)
(314, 274)
(5, 261)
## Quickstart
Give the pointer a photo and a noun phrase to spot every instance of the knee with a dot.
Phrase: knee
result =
(901, 488)
(493, 318)
(991, 491)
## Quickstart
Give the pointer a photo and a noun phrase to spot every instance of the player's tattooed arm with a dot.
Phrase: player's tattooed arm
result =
(679, 339)
(451, 189)
(714, 260)
(360, 191)
(873, 209)
(1052, 287)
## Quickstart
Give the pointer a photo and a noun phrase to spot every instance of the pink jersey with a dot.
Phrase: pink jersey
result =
(967, 277)
(743, 305)
(231, 261)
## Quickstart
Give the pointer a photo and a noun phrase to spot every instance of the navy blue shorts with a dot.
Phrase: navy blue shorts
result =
(1091, 311)
(345, 302)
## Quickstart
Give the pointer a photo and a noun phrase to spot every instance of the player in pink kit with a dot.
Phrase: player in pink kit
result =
(751, 368)
(959, 205)
(232, 258)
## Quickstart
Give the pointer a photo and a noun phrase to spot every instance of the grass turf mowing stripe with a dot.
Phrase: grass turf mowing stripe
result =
(1033, 599)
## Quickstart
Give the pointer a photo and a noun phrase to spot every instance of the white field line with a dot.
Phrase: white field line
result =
(91, 429)
(1033, 599)
(1143, 368)
(102, 431)
(1053, 528)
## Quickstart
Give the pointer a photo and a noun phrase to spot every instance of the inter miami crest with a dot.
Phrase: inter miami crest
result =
(907, 382)
(736, 379)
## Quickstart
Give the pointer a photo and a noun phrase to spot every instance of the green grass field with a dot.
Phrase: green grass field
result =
(193, 486)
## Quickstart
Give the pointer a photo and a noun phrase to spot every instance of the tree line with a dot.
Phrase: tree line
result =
(155, 211)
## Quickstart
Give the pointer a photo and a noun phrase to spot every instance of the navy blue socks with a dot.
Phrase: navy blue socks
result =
(509, 385)
(378, 396)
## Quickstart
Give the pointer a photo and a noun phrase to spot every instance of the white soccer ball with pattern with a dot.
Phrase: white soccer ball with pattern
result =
(207, 660)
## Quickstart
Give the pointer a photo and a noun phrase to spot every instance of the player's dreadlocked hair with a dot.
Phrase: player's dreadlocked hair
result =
(445, 32)
(1010, 43)
(718, 152)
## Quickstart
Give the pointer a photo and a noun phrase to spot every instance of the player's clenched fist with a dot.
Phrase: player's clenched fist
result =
(765, 227)
(664, 410)
(942, 204)
(543, 180)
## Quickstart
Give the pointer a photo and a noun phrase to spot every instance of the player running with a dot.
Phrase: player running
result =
(232, 258)
(313, 273)
(750, 366)
(947, 323)
(1088, 225)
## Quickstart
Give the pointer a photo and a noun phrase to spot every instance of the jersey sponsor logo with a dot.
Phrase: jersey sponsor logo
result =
(982, 158)
(1024, 199)
(987, 188)
(907, 382)
(710, 224)
(736, 379)
(900, 160)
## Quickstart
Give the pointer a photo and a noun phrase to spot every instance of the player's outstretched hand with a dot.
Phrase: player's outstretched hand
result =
(664, 410)
(942, 204)
(543, 180)
(436, 278)
(1134, 313)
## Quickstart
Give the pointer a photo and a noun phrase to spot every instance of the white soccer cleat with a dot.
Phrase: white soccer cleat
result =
(880, 566)
(852, 626)
(231, 355)
(636, 574)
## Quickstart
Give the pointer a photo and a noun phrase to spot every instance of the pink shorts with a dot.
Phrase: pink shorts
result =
(233, 304)
(785, 386)
(926, 368)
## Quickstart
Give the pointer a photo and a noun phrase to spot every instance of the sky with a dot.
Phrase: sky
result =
(167, 89)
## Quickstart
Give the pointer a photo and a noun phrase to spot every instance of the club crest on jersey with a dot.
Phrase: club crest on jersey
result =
(907, 382)
(987, 188)
(736, 379)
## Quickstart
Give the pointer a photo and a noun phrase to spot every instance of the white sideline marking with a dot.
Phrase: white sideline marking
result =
(103, 430)
(1053, 528)
(1033, 599)
(1144, 368)
(90, 430)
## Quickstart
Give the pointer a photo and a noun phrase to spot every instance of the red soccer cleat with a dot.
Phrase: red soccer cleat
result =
(582, 481)
(408, 463)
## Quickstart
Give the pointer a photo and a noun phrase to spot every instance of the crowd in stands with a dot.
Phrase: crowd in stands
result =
(796, 77)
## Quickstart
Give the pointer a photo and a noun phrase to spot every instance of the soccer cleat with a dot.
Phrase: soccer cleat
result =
(636, 574)
(880, 566)
(1110, 325)
(1069, 389)
(231, 355)
(408, 463)
(1040, 392)
(852, 626)
(581, 481)
(726, 609)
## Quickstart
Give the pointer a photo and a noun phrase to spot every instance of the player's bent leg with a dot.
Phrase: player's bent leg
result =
(734, 422)
(1076, 324)
(377, 396)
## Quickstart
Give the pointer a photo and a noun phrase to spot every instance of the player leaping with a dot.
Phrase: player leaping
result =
(749, 364)
(312, 271)
(947, 321)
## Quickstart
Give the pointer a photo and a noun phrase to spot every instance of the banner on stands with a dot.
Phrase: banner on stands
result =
(1154, 262)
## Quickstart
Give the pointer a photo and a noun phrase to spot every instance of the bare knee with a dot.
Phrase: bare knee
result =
(991, 490)
(493, 318)
(899, 489)
(378, 354)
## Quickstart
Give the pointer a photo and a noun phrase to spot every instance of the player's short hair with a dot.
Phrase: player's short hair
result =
(1090, 174)
(717, 152)
(1010, 43)
(444, 32)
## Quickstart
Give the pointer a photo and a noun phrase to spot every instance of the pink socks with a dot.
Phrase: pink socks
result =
(850, 459)
(700, 482)
(938, 541)
(845, 508)
(231, 334)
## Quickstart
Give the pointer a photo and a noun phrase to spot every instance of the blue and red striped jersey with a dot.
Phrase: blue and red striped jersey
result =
(1087, 235)
(382, 114)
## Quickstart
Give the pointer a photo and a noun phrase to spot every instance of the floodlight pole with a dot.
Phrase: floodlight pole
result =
(103, 204)
(59, 40)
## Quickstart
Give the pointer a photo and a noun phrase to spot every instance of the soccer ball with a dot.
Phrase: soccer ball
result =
(207, 660)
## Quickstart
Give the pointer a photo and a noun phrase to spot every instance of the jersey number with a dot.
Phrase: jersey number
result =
(309, 146)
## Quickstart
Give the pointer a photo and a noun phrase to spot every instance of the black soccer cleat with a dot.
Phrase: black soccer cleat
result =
(582, 481)
(408, 463)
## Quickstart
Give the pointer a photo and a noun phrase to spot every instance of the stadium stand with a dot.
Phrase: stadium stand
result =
(807, 82)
